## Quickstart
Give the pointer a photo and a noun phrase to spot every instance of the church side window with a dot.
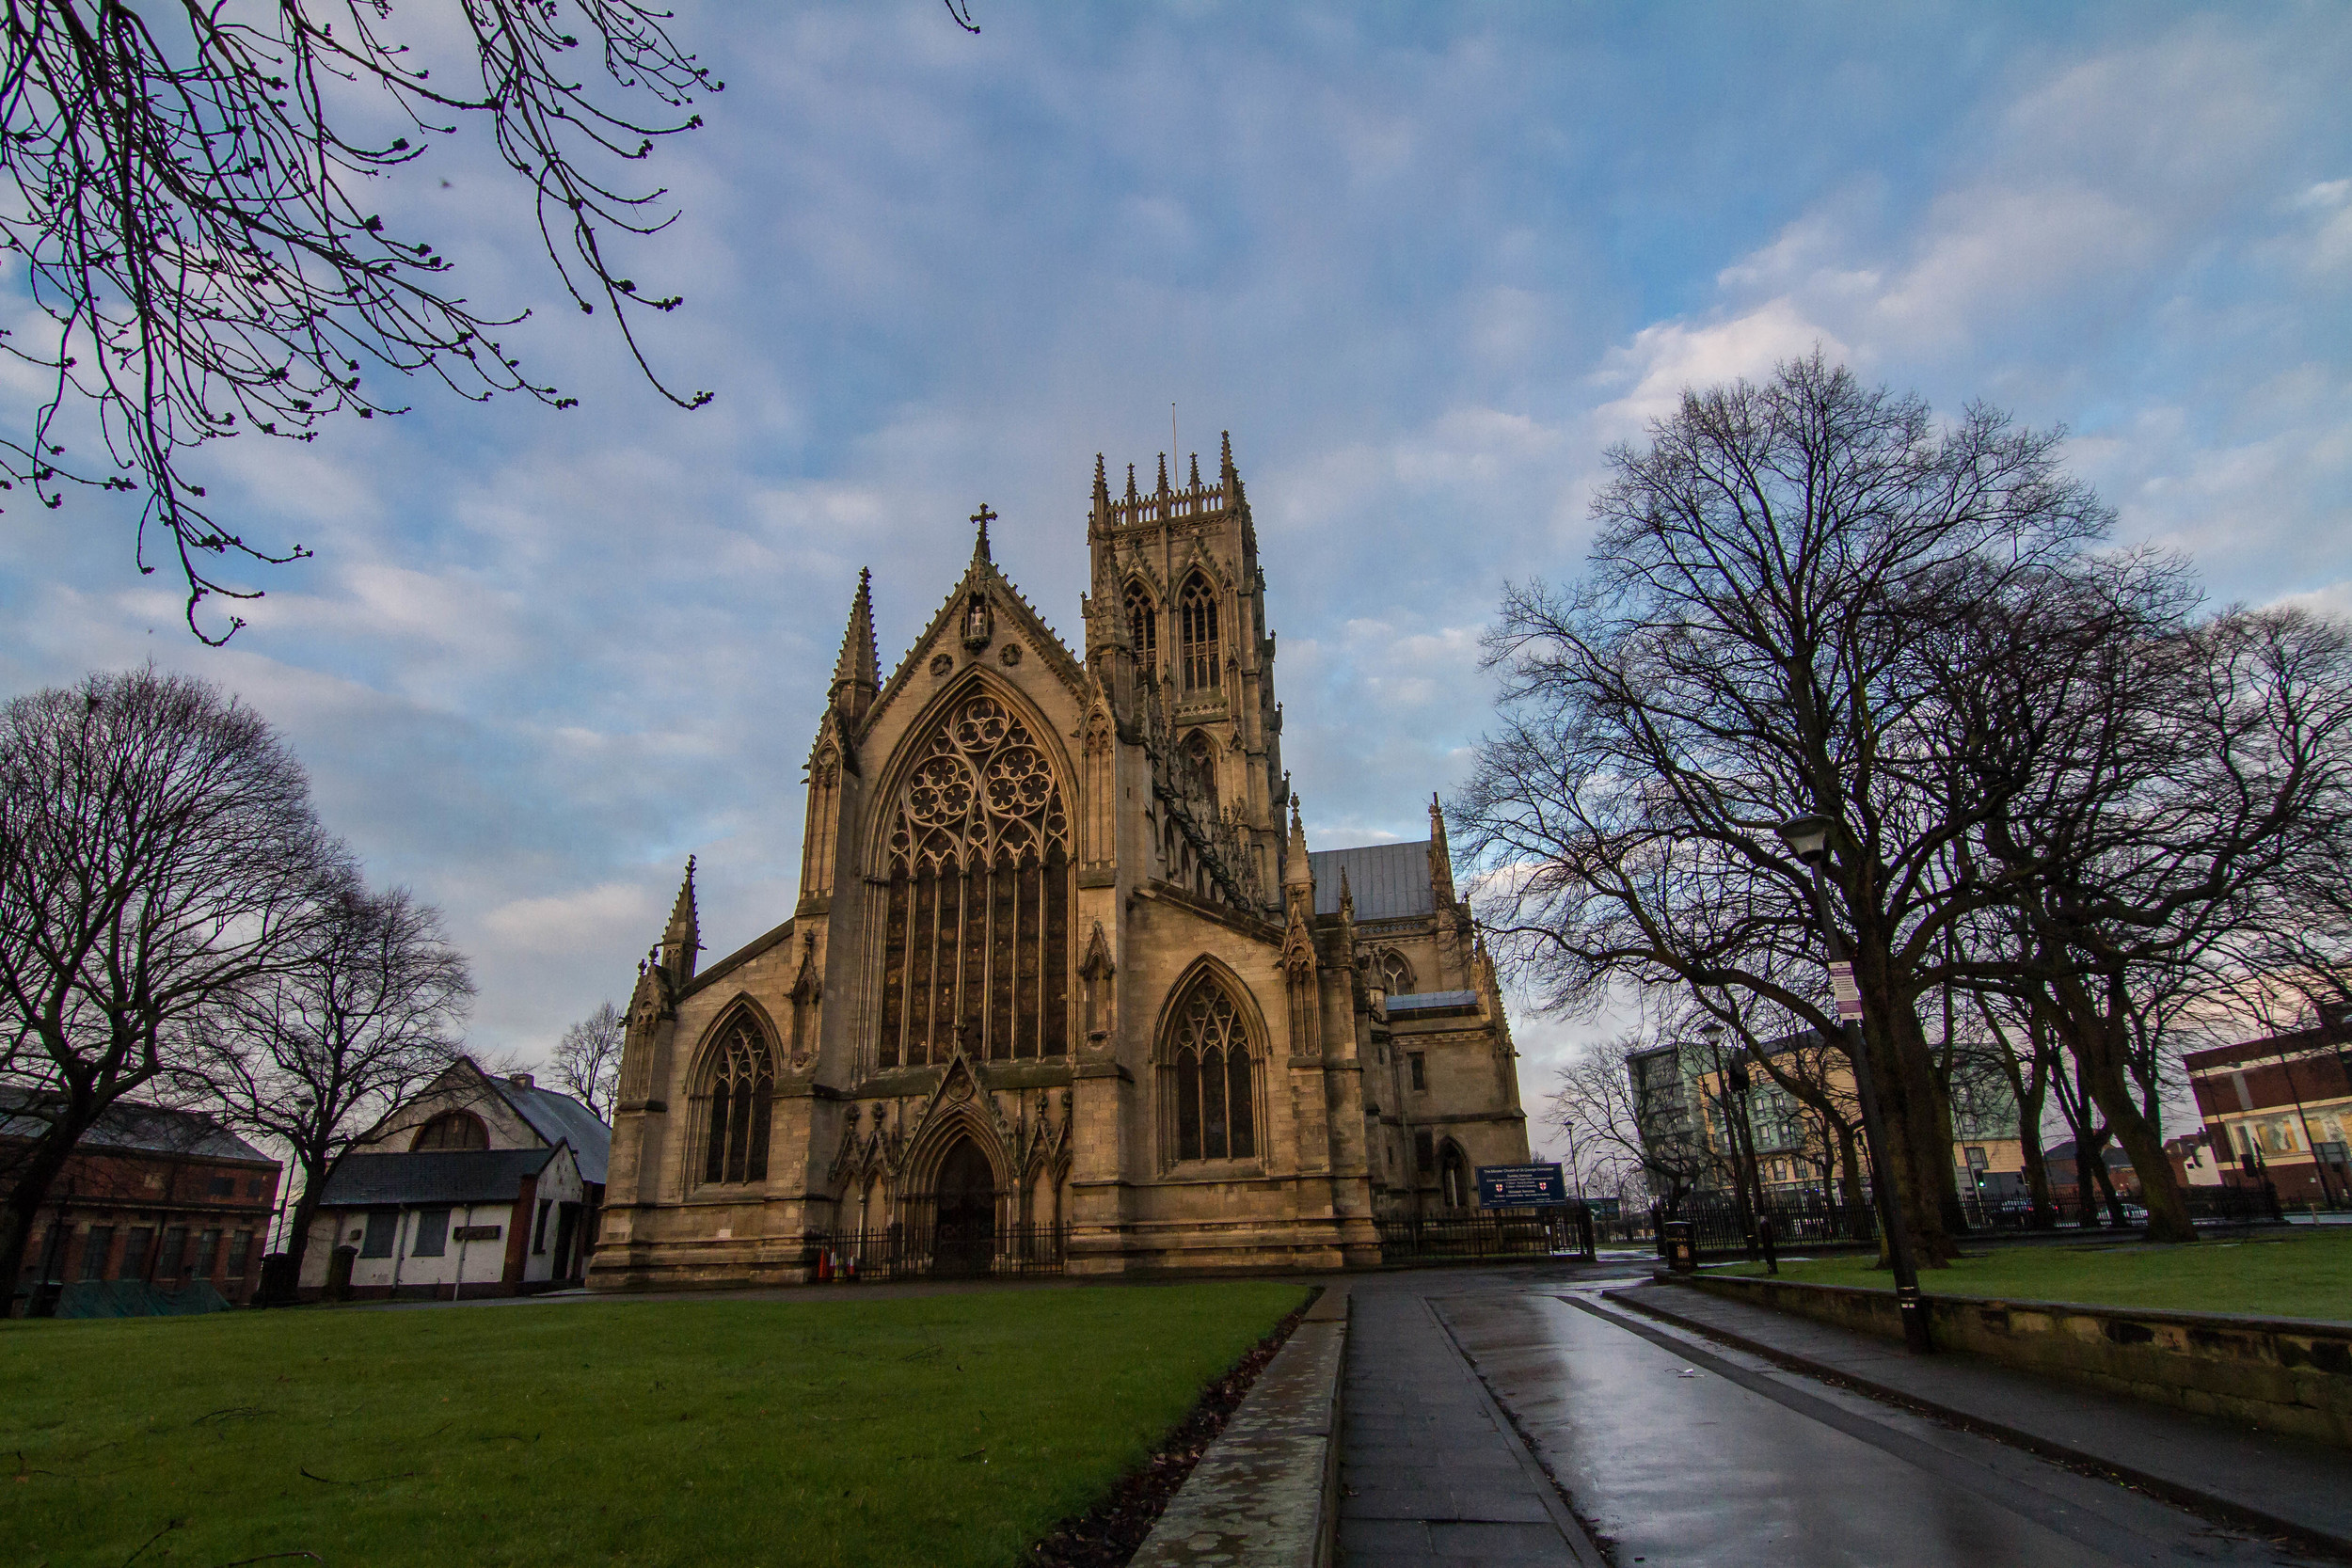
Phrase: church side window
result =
(743, 1091)
(1209, 1076)
(1394, 975)
(1200, 752)
(1196, 618)
(976, 929)
(452, 1129)
(1143, 625)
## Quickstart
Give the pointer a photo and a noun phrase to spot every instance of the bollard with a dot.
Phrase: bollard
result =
(1764, 1234)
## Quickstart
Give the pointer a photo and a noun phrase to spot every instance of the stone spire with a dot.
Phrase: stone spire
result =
(1163, 489)
(1225, 458)
(1441, 856)
(857, 673)
(1195, 471)
(682, 939)
(1297, 871)
(1132, 497)
(1347, 899)
(1102, 492)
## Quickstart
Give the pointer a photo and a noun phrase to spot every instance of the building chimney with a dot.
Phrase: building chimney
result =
(521, 1080)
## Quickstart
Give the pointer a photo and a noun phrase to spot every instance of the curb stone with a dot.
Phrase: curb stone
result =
(1267, 1493)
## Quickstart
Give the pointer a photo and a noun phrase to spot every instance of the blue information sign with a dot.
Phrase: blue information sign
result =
(1520, 1186)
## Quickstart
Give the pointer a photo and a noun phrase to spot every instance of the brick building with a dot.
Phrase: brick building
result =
(152, 1197)
(2285, 1099)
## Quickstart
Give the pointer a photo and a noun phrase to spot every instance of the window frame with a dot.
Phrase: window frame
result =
(431, 1224)
(380, 1240)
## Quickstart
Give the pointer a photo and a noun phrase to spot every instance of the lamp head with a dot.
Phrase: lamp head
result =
(1711, 1031)
(1807, 837)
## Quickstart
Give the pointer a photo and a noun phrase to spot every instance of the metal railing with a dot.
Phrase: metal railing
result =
(1470, 1237)
(911, 1252)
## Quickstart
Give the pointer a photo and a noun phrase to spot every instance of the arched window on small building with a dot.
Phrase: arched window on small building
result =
(741, 1089)
(1196, 624)
(452, 1129)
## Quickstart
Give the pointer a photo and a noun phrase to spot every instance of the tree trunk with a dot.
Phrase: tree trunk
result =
(2096, 1038)
(315, 1170)
(19, 1214)
(1906, 1091)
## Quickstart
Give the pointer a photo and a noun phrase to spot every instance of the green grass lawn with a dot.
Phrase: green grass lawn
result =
(2299, 1274)
(950, 1429)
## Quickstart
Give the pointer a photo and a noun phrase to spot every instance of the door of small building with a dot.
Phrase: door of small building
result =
(965, 1241)
(566, 1232)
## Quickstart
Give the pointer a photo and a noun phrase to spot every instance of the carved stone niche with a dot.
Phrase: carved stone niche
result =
(979, 622)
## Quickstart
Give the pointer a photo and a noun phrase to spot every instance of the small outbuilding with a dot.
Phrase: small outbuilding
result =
(480, 1184)
(451, 1222)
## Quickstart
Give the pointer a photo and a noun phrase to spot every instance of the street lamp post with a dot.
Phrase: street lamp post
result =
(1807, 838)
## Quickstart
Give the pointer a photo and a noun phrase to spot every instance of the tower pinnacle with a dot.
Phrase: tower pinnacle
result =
(979, 541)
(857, 673)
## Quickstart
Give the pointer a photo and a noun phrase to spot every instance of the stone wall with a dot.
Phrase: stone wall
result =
(2284, 1374)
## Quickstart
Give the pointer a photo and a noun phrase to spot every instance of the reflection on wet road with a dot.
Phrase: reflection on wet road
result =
(1676, 1450)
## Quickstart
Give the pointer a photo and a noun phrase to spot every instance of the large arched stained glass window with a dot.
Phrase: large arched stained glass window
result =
(1195, 626)
(1209, 1076)
(742, 1090)
(976, 934)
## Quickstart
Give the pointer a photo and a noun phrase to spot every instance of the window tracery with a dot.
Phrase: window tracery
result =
(1392, 973)
(1143, 624)
(976, 938)
(1195, 619)
(1210, 1078)
(742, 1090)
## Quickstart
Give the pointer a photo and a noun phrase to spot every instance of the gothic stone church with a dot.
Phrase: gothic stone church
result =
(1065, 979)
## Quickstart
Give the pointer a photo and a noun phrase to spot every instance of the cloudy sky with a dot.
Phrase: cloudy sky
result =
(1424, 263)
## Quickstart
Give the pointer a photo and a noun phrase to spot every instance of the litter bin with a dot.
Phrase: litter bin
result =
(1682, 1247)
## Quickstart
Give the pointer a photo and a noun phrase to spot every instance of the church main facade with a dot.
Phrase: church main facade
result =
(1065, 981)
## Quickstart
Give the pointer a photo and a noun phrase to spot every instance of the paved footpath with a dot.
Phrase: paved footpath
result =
(1677, 1449)
(1430, 1472)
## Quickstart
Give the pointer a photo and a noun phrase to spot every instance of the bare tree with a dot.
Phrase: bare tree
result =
(158, 855)
(1744, 649)
(188, 190)
(313, 1056)
(588, 1058)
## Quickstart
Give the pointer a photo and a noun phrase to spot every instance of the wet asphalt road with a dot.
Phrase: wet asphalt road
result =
(1464, 1388)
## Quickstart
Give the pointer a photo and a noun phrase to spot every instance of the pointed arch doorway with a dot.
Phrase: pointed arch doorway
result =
(965, 1241)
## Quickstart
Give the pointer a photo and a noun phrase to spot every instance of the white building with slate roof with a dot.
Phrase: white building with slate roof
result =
(479, 1186)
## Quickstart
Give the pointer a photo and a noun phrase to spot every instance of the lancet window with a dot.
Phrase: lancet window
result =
(1196, 624)
(742, 1092)
(1200, 752)
(1394, 975)
(976, 935)
(1209, 1076)
(1143, 625)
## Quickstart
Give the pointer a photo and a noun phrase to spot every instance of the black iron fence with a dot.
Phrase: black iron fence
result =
(940, 1252)
(1719, 1227)
(1499, 1233)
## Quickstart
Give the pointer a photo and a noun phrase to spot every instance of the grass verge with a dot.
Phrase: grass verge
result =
(948, 1430)
(2304, 1273)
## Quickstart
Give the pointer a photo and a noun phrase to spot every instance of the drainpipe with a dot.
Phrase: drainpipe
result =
(400, 1249)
